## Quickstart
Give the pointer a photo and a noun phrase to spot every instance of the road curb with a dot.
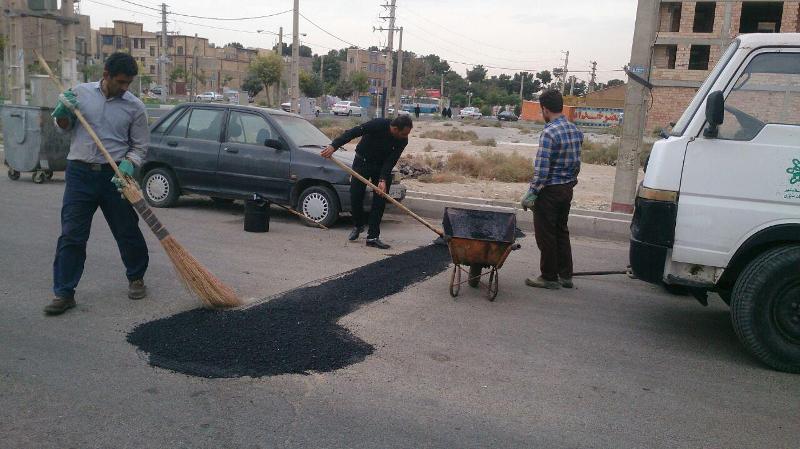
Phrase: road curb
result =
(584, 223)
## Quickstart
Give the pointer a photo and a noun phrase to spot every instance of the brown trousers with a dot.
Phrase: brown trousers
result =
(550, 215)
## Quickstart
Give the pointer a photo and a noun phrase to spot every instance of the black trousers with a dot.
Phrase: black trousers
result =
(550, 215)
(358, 189)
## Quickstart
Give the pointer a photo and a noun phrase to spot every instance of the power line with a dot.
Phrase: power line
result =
(231, 18)
(141, 5)
(329, 33)
(124, 9)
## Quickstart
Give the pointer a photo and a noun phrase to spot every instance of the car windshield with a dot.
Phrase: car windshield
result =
(301, 132)
(342, 104)
(688, 114)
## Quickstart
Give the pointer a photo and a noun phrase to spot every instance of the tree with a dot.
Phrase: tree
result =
(477, 74)
(252, 85)
(305, 51)
(343, 88)
(310, 84)
(268, 70)
(545, 77)
(615, 82)
(235, 45)
(177, 74)
(227, 80)
(332, 68)
(436, 65)
(360, 83)
(92, 72)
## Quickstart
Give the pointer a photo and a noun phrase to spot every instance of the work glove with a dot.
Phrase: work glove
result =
(126, 168)
(528, 200)
(64, 110)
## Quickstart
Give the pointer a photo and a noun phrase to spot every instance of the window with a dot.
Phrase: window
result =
(664, 56)
(119, 43)
(180, 128)
(180, 51)
(768, 91)
(108, 40)
(249, 129)
(670, 18)
(761, 17)
(704, 17)
(152, 51)
(698, 57)
(152, 69)
(141, 44)
(205, 124)
(300, 131)
(136, 43)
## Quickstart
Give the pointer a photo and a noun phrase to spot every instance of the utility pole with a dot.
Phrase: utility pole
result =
(68, 56)
(389, 48)
(592, 81)
(399, 89)
(194, 67)
(296, 59)
(16, 54)
(572, 80)
(521, 86)
(565, 71)
(636, 96)
(278, 93)
(162, 60)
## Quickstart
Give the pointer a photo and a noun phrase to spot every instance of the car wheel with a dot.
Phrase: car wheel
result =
(319, 204)
(350, 112)
(765, 308)
(160, 187)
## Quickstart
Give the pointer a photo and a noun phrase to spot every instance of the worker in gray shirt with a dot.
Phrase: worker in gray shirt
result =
(120, 120)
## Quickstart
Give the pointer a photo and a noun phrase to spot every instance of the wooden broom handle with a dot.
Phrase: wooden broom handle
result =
(387, 196)
(81, 118)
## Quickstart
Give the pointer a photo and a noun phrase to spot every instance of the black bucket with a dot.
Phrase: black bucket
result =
(256, 215)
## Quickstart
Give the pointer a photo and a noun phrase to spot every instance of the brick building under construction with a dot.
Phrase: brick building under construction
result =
(690, 38)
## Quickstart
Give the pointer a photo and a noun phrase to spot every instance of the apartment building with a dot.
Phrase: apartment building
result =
(691, 38)
(374, 63)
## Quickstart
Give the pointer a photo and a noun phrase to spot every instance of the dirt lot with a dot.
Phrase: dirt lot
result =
(595, 184)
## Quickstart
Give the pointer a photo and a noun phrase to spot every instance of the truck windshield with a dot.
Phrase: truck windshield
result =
(688, 114)
(301, 132)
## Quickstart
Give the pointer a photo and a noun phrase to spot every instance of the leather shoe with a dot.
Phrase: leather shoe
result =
(566, 282)
(376, 243)
(541, 282)
(59, 305)
(137, 289)
(355, 233)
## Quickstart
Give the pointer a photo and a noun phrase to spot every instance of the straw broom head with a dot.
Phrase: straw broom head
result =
(197, 279)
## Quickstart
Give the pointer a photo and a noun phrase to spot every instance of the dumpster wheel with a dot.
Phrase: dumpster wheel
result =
(13, 174)
(38, 177)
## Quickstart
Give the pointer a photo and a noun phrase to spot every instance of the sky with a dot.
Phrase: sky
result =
(508, 35)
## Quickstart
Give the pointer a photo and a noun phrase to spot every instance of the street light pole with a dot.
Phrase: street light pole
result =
(296, 59)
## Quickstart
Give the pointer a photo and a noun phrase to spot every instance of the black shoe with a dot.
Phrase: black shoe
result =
(59, 305)
(137, 289)
(376, 243)
(440, 241)
(355, 233)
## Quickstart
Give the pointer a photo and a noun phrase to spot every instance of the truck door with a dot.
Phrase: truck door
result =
(748, 177)
(247, 165)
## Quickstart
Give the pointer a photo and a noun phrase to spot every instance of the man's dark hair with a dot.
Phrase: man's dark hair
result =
(552, 100)
(121, 63)
(402, 122)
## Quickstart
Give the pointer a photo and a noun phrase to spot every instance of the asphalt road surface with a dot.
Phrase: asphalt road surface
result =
(613, 363)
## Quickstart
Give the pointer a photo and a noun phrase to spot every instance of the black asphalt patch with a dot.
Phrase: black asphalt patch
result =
(295, 333)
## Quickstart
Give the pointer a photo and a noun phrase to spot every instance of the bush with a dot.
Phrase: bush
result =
(428, 148)
(485, 143)
(594, 153)
(491, 165)
(332, 131)
(448, 124)
(450, 135)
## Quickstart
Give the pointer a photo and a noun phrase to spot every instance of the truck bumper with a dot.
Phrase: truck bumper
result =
(647, 261)
(652, 235)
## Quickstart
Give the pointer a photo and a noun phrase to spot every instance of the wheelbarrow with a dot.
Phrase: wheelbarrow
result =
(480, 240)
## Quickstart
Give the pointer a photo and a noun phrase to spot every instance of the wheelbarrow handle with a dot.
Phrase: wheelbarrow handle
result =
(387, 197)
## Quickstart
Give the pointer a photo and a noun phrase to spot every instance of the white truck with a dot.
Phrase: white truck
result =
(719, 207)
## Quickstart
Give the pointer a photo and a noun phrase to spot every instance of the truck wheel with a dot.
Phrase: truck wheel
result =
(319, 204)
(160, 188)
(765, 308)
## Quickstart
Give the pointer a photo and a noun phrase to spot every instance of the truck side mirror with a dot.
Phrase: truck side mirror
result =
(715, 113)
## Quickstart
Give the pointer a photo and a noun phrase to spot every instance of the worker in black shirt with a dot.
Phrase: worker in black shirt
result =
(382, 143)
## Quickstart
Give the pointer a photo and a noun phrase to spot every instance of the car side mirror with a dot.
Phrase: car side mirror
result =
(273, 143)
(715, 113)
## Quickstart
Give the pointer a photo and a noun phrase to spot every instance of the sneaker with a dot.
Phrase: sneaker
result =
(59, 305)
(566, 282)
(137, 289)
(541, 282)
(376, 243)
(355, 233)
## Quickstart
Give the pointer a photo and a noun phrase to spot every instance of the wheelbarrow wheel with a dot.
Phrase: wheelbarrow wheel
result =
(13, 174)
(474, 276)
(494, 285)
(455, 281)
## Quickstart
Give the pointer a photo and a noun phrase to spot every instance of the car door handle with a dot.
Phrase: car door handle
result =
(172, 143)
(231, 150)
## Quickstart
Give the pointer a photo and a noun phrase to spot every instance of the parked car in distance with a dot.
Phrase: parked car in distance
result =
(209, 96)
(156, 90)
(347, 108)
(470, 112)
(230, 152)
(390, 111)
(507, 116)
(287, 107)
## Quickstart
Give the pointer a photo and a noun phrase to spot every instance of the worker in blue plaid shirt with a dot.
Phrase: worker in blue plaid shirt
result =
(556, 168)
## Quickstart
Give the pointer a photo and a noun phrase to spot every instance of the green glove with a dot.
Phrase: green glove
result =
(126, 168)
(64, 110)
(528, 200)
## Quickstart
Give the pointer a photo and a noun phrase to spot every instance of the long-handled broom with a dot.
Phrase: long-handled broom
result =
(211, 291)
